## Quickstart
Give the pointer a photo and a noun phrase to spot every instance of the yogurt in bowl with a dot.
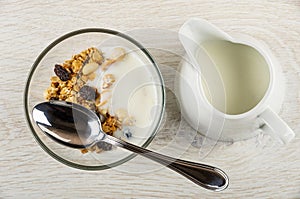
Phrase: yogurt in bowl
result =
(117, 79)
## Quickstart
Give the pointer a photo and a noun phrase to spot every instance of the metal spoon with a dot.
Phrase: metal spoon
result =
(78, 127)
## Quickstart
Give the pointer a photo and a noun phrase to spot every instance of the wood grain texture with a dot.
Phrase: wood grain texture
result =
(258, 168)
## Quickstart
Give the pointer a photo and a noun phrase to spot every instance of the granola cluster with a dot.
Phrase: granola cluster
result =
(70, 84)
(69, 79)
(111, 124)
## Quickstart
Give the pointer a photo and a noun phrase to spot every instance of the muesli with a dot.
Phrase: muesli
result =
(70, 83)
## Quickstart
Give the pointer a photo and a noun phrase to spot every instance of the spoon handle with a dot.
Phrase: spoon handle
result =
(206, 176)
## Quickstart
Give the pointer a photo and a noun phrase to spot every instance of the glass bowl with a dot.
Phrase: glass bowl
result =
(62, 49)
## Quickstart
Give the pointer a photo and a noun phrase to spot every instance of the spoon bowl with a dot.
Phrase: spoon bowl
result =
(68, 123)
(75, 126)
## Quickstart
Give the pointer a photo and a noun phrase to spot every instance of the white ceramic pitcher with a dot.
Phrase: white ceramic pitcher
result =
(196, 70)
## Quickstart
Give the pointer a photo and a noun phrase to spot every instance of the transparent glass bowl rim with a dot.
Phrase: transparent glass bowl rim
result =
(35, 66)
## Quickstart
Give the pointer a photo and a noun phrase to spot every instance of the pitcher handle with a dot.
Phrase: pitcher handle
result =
(276, 126)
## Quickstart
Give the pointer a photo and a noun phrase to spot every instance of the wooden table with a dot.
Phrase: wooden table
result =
(258, 168)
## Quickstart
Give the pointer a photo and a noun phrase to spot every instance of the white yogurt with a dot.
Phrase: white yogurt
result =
(135, 91)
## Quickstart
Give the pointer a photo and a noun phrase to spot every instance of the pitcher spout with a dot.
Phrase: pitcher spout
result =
(200, 30)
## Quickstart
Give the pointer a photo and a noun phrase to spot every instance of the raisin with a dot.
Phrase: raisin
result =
(127, 133)
(61, 72)
(104, 146)
(88, 93)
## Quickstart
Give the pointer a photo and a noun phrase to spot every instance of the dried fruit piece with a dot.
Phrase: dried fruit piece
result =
(88, 93)
(61, 72)
(104, 146)
(127, 133)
